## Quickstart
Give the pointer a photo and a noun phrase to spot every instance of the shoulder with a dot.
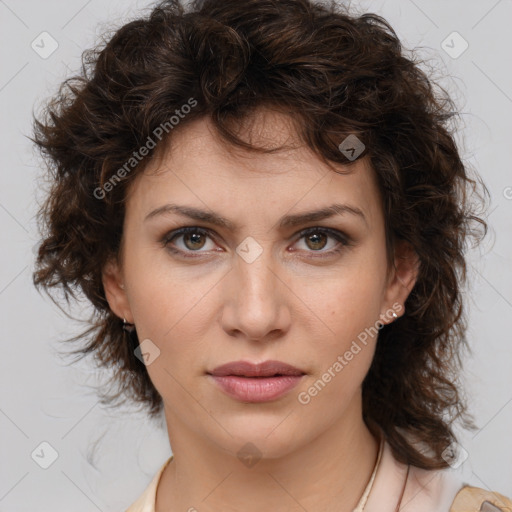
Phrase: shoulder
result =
(146, 501)
(474, 499)
(411, 489)
(428, 490)
(444, 491)
(421, 490)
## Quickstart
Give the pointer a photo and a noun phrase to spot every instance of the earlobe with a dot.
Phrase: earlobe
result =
(114, 290)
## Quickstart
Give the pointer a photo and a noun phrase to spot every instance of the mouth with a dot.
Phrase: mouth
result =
(253, 383)
(256, 370)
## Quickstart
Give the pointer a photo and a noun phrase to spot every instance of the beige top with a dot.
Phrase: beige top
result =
(426, 491)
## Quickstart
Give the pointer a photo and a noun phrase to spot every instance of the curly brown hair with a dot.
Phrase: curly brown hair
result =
(335, 73)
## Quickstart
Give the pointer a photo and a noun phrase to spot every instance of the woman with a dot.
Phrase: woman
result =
(267, 210)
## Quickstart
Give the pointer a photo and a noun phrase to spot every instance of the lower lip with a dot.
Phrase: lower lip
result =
(256, 389)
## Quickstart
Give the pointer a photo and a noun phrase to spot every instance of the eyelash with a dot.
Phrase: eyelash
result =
(343, 239)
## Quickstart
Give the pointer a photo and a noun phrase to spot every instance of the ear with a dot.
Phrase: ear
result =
(113, 284)
(401, 280)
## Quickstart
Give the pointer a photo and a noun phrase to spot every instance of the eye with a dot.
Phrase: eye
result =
(192, 239)
(317, 239)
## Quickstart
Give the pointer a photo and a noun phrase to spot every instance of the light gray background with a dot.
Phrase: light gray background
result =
(45, 400)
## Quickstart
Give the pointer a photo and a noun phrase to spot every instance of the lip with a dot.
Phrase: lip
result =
(256, 382)
(247, 369)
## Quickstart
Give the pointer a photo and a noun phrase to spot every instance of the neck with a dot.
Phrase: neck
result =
(327, 473)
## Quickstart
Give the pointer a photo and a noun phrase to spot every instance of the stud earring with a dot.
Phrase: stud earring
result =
(382, 324)
(127, 326)
(133, 339)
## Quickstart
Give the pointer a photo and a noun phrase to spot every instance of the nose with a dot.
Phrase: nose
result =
(255, 300)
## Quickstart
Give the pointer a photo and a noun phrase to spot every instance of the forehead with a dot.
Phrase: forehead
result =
(199, 167)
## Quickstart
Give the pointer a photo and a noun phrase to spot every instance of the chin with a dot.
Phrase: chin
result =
(270, 438)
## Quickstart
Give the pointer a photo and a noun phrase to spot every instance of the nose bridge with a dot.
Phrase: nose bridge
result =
(257, 279)
(256, 305)
(259, 273)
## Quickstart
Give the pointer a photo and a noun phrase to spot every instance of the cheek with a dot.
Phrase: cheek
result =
(350, 309)
(347, 305)
(162, 293)
(171, 314)
(172, 307)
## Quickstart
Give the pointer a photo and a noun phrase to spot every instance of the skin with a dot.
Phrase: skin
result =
(289, 304)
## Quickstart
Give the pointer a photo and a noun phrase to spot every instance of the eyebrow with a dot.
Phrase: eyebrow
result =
(284, 222)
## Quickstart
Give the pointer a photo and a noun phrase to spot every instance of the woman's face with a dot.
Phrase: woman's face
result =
(256, 289)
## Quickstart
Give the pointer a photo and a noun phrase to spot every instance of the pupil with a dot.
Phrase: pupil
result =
(316, 236)
(195, 238)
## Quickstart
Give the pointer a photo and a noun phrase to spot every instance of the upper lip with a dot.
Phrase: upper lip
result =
(248, 369)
